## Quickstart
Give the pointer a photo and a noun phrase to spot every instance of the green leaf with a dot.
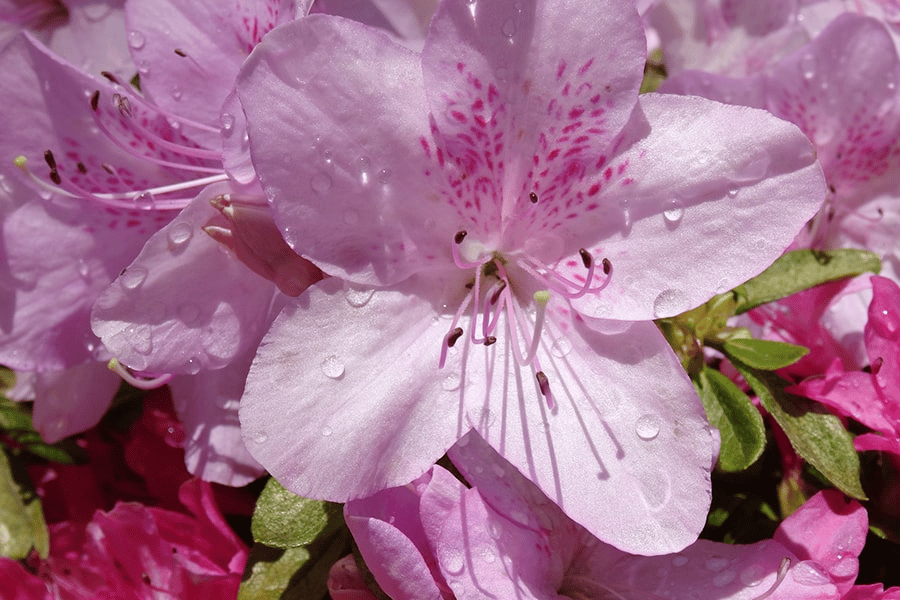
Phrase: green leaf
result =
(21, 516)
(283, 519)
(764, 354)
(733, 414)
(800, 270)
(292, 573)
(816, 435)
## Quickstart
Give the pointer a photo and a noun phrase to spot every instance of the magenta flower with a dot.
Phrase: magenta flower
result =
(507, 219)
(870, 398)
(503, 539)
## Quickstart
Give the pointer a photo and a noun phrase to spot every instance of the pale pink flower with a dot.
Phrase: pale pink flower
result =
(507, 218)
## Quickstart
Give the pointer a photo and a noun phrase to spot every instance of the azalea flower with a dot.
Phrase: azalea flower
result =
(502, 538)
(827, 89)
(503, 219)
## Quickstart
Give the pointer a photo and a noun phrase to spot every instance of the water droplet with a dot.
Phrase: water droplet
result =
(84, 269)
(674, 212)
(809, 573)
(808, 66)
(177, 93)
(140, 337)
(143, 68)
(136, 40)
(189, 313)
(752, 576)
(716, 563)
(327, 156)
(332, 367)
(754, 170)
(669, 303)
(495, 530)
(260, 437)
(451, 382)
(509, 28)
(227, 122)
(453, 561)
(359, 298)
(647, 427)
(732, 193)
(488, 555)
(95, 12)
(180, 233)
(384, 176)
(320, 183)
(192, 366)
(626, 221)
(326, 431)
(561, 347)
(680, 561)
(724, 578)
(145, 201)
(133, 277)
(845, 567)
(498, 470)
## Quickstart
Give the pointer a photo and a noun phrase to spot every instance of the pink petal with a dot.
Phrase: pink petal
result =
(185, 303)
(338, 157)
(73, 400)
(694, 181)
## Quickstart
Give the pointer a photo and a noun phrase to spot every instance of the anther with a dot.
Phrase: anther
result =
(607, 266)
(95, 100)
(110, 76)
(180, 52)
(108, 168)
(490, 340)
(55, 178)
(543, 383)
(586, 258)
(81, 168)
(782, 573)
(51, 161)
(460, 236)
(876, 365)
(453, 336)
(533, 197)
(496, 295)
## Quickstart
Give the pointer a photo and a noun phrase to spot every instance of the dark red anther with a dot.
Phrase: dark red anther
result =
(496, 295)
(81, 168)
(110, 76)
(533, 197)
(50, 160)
(460, 236)
(54, 177)
(180, 53)
(108, 168)
(95, 100)
(454, 335)
(543, 383)
(490, 340)
(607, 266)
(586, 258)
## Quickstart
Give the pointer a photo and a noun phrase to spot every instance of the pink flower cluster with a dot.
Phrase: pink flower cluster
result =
(351, 239)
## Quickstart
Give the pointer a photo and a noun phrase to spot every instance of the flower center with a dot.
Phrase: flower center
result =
(493, 292)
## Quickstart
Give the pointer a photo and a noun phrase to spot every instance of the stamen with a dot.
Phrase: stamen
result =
(533, 197)
(111, 77)
(143, 383)
(95, 100)
(543, 383)
(180, 52)
(586, 258)
(453, 336)
(782, 573)
(490, 340)
(607, 266)
(48, 158)
(460, 236)
(81, 168)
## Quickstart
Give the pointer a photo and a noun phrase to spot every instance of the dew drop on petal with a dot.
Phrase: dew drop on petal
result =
(495, 530)
(845, 567)
(177, 93)
(260, 437)
(561, 347)
(180, 233)
(453, 561)
(488, 555)
(136, 40)
(133, 277)
(724, 578)
(647, 427)
(96, 12)
(384, 176)
(192, 366)
(326, 431)
(680, 561)
(752, 576)
(332, 367)
(809, 573)
(320, 183)
(808, 66)
(84, 269)
(359, 298)
(674, 212)
(732, 193)
(509, 28)
(716, 563)
(669, 302)
(143, 68)
(451, 382)
(227, 122)
(145, 201)
(140, 337)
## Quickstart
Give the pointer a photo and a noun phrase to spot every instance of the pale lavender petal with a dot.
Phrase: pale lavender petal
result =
(70, 401)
